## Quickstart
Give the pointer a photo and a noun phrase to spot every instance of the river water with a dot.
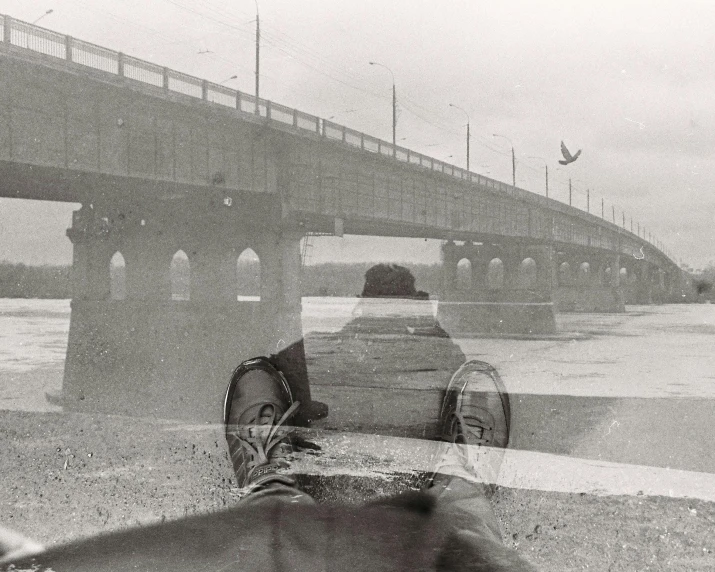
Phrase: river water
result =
(650, 351)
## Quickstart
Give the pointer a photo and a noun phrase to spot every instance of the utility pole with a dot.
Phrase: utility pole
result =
(467, 114)
(258, 57)
(394, 107)
(394, 120)
(588, 201)
(569, 191)
(513, 158)
(613, 208)
(546, 168)
(602, 211)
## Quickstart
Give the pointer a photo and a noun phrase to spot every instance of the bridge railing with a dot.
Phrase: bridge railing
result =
(49, 43)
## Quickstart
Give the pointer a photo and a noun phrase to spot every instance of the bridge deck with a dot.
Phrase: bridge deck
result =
(91, 118)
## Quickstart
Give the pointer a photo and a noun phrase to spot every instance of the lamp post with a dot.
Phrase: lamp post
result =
(394, 106)
(467, 115)
(258, 56)
(546, 167)
(45, 14)
(513, 158)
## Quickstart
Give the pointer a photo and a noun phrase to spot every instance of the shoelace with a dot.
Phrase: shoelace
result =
(476, 438)
(259, 439)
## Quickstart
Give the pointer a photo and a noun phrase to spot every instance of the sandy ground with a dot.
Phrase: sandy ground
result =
(68, 475)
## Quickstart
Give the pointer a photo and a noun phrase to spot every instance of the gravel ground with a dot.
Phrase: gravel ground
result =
(71, 475)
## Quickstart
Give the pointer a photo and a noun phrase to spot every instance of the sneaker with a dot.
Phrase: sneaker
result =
(257, 405)
(474, 424)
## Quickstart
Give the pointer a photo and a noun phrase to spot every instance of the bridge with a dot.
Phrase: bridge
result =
(163, 162)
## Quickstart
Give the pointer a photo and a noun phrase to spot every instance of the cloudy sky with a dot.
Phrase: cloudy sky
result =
(631, 83)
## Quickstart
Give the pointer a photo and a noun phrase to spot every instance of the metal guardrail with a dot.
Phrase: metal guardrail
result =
(41, 40)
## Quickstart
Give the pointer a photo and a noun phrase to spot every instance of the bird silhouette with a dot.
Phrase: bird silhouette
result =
(568, 158)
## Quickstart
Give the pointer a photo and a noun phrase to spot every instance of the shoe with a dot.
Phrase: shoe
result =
(476, 409)
(475, 418)
(257, 405)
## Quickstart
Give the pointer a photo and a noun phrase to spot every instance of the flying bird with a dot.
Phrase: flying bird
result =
(568, 158)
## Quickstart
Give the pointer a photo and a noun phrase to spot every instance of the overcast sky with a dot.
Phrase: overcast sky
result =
(631, 83)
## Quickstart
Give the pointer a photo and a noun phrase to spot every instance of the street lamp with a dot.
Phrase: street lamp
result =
(394, 106)
(258, 55)
(465, 113)
(513, 158)
(546, 166)
(229, 79)
(45, 14)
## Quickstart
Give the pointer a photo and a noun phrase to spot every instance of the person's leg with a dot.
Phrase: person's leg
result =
(475, 419)
(257, 407)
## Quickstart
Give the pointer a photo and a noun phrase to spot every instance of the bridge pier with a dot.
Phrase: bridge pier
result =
(151, 353)
(586, 283)
(644, 284)
(499, 299)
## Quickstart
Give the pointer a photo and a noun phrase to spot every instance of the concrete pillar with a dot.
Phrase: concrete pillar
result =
(91, 254)
(615, 270)
(450, 259)
(480, 268)
(148, 267)
(546, 268)
(290, 326)
(644, 285)
(511, 257)
(213, 272)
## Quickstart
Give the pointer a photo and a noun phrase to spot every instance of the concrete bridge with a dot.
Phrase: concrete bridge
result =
(162, 162)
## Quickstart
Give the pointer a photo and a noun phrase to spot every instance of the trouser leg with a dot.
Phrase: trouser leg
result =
(467, 505)
(475, 535)
(279, 539)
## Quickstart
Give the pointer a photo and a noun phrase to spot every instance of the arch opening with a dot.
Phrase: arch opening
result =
(564, 274)
(583, 274)
(527, 274)
(464, 274)
(248, 276)
(495, 274)
(180, 276)
(117, 277)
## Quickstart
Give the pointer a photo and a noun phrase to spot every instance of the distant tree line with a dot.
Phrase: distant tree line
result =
(329, 279)
(704, 282)
(21, 281)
